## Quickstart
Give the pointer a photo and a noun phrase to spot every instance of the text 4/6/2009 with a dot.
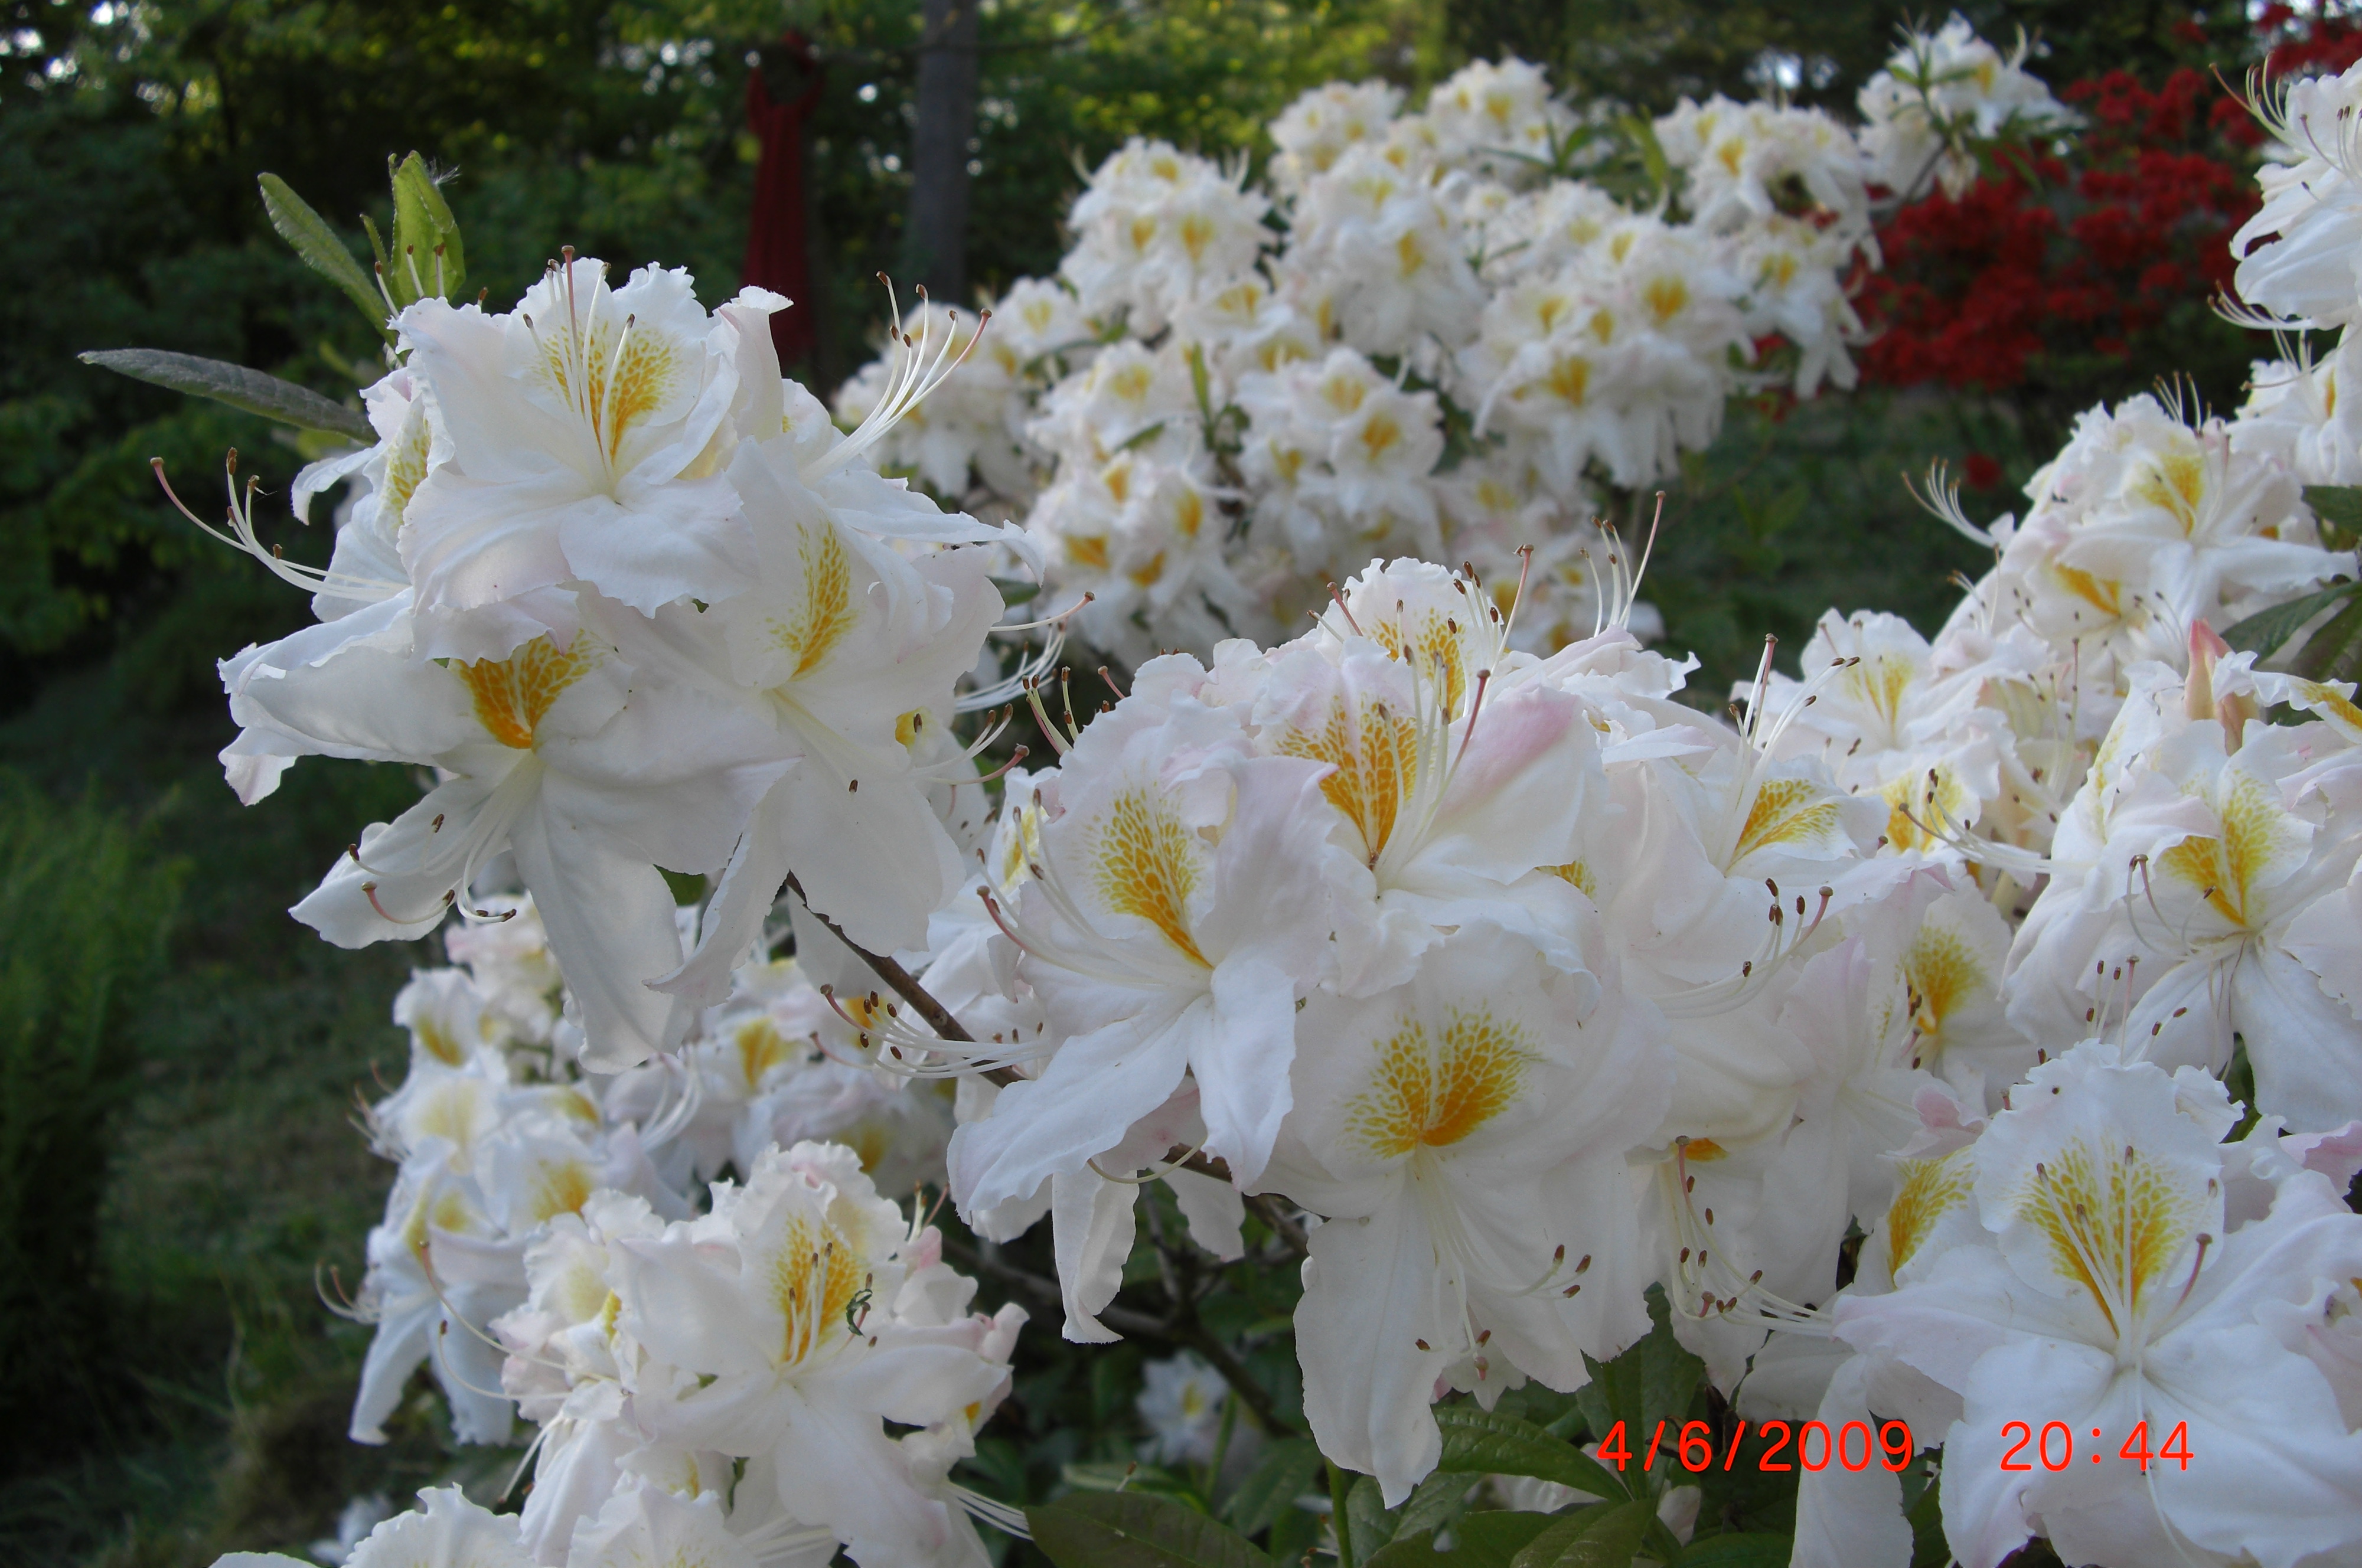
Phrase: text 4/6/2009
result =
(1854, 1444)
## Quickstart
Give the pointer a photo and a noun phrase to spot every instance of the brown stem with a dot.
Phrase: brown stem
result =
(1184, 1331)
(1276, 1221)
(904, 985)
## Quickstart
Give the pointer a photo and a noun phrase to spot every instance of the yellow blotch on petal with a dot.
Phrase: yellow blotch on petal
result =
(1374, 755)
(513, 695)
(1132, 381)
(562, 1187)
(1569, 380)
(1787, 812)
(2176, 483)
(1944, 977)
(1926, 1190)
(615, 378)
(437, 1041)
(814, 1277)
(1430, 646)
(1880, 682)
(2113, 1224)
(2103, 594)
(2257, 835)
(1430, 1093)
(2335, 706)
(405, 467)
(824, 616)
(1147, 864)
(1667, 297)
(1197, 233)
(1914, 806)
(1578, 876)
(760, 1047)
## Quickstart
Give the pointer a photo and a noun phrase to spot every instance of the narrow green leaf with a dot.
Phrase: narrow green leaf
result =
(1117, 1476)
(1487, 1441)
(2266, 633)
(2335, 652)
(1141, 436)
(384, 266)
(1134, 1530)
(236, 386)
(423, 226)
(1738, 1552)
(1015, 591)
(1594, 1538)
(317, 244)
(1286, 1470)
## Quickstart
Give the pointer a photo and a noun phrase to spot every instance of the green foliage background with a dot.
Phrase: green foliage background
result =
(174, 1159)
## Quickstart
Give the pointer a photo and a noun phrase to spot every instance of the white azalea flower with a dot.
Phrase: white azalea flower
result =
(2110, 1292)
(771, 1309)
(1464, 1136)
(587, 432)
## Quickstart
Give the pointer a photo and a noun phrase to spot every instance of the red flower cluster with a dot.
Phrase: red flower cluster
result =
(2308, 41)
(2043, 256)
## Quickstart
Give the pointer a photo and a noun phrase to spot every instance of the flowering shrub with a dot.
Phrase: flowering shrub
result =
(1965, 1039)
(2051, 256)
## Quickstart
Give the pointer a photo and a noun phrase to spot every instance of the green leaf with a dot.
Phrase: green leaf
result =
(425, 236)
(1738, 1551)
(2335, 652)
(1489, 1443)
(2339, 505)
(1135, 1529)
(1653, 1381)
(1286, 1470)
(1925, 1517)
(1493, 1538)
(2266, 633)
(1489, 1540)
(1412, 1550)
(236, 386)
(1016, 590)
(317, 244)
(1602, 1537)
(1435, 1502)
(1366, 1517)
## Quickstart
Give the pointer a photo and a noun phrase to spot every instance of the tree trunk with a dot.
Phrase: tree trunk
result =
(935, 236)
